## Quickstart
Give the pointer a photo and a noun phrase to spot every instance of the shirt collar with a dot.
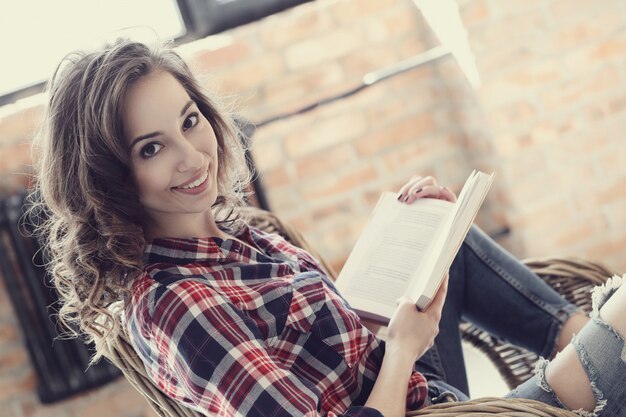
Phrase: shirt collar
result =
(186, 250)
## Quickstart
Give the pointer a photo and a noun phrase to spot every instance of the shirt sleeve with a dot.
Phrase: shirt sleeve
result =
(213, 359)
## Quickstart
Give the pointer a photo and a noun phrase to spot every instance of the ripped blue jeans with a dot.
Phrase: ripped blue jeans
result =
(493, 290)
(602, 353)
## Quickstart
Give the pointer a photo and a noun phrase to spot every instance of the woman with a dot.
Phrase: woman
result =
(141, 175)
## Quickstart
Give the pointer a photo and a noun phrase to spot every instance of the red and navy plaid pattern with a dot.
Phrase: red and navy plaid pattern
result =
(232, 331)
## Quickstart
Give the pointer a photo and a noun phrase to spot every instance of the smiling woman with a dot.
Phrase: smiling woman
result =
(142, 176)
(105, 198)
(174, 166)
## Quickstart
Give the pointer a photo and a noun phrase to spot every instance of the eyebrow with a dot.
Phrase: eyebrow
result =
(157, 133)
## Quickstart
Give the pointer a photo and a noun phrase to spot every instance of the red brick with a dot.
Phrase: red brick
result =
(227, 55)
(360, 62)
(267, 154)
(474, 12)
(31, 407)
(276, 130)
(567, 10)
(276, 177)
(414, 45)
(588, 30)
(15, 157)
(284, 200)
(536, 74)
(20, 125)
(614, 189)
(349, 11)
(580, 231)
(325, 133)
(321, 49)
(419, 156)
(518, 82)
(494, 59)
(295, 26)
(342, 208)
(507, 28)
(294, 86)
(17, 385)
(614, 47)
(249, 75)
(617, 104)
(14, 358)
(401, 21)
(363, 99)
(307, 100)
(610, 246)
(413, 80)
(8, 331)
(330, 160)
(395, 134)
(580, 89)
(392, 108)
(615, 215)
(612, 159)
(302, 223)
(127, 399)
(519, 112)
(333, 184)
(531, 189)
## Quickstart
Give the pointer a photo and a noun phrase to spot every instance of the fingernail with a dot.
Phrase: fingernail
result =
(399, 197)
(406, 198)
(417, 191)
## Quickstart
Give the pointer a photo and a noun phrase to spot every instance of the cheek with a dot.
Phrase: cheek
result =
(148, 180)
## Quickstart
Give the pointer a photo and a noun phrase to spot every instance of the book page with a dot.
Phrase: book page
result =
(453, 232)
(390, 250)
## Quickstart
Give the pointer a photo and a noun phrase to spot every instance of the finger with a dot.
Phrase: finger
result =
(403, 299)
(427, 191)
(412, 187)
(406, 187)
(448, 195)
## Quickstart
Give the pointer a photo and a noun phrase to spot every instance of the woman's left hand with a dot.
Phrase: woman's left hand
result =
(424, 187)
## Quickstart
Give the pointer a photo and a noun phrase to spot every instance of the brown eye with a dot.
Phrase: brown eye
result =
(150, 150)
(190, 121)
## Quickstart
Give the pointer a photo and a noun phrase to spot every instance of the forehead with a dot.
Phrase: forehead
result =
(152, 102)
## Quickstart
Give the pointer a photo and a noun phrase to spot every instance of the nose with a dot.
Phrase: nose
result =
(190, 158)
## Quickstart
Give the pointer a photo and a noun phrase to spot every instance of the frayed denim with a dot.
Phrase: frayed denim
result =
(602, 353)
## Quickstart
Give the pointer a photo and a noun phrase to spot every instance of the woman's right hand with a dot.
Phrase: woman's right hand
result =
(414, 331)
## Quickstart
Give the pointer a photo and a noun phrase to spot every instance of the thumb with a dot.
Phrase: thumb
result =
(402, 299)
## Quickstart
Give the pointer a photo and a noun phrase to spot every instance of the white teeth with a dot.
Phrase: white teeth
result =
(196, 182)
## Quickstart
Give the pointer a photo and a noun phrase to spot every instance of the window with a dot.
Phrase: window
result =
(42, 32)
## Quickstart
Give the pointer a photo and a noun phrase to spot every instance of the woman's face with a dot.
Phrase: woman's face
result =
(173, 150)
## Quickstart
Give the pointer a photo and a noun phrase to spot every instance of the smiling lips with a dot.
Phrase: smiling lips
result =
(194, 185)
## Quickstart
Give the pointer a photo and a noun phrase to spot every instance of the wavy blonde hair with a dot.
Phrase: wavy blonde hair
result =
(92, 230)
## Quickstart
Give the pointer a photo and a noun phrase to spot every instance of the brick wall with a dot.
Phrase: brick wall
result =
(548, 119)
(554, 98)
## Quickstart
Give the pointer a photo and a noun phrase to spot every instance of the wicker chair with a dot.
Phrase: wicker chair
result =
(572, 278)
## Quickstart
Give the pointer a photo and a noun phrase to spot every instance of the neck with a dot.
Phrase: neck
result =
(183, 226)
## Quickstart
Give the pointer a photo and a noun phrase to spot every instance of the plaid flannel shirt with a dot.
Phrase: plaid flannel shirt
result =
(231, 331)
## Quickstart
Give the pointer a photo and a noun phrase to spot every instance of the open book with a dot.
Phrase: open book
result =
(406, 249)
